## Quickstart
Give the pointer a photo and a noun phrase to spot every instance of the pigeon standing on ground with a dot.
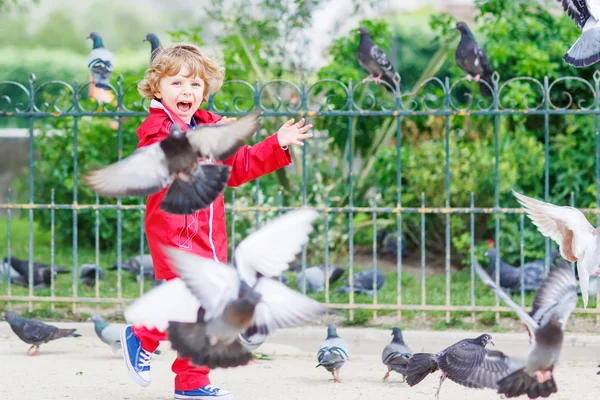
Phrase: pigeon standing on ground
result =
(135, 264)
(388, 242)
(8, 271)
(87, 274)
(510, 277)
(41, 272)
(315, 276)
(586, 14)
(100, 62)
(109, 334)
(35, 332)
(363, 282)
(155, 45)
(242, 298)
(552, 306)
(396, 355)
(471, 57)
(333, 353)
(174, 161)
(374, 61)
(577, 239)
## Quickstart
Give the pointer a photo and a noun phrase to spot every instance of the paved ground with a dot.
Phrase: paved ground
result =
(84, 368)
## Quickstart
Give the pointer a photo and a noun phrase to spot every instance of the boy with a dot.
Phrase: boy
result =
(177, 83)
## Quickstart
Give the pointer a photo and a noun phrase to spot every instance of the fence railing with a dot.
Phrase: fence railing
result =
(321, 99)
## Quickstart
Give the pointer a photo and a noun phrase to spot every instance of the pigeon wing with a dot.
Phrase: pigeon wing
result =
(495, 366)
(578, 10)
(556, 297)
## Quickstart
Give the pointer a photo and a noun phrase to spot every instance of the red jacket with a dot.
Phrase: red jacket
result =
(204, 232)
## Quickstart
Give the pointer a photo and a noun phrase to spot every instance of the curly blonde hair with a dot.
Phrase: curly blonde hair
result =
(170, 60)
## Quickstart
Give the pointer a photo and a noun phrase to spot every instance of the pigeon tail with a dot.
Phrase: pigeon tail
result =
(586, 50)
(191, 340)
(420, 365)
(205, 185)
(61, 333)
(483, 88)
(520, 382)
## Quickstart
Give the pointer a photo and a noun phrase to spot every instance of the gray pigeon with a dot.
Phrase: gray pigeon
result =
(87, 274)
(472, 58)
(374, 61)
(586, 14)
(7, 270)
(174, 162)
(109, 334)
(238, 298)
(41, 272)
(315, 277)
(100, 62)
(155, 45)
(35, 332)
(552, 306)
(135, 264)
(333, 353)
(363, 282)
(466, 362)
(396, 355)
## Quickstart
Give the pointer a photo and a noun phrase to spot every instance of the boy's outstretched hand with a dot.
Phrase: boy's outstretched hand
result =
(291, 133)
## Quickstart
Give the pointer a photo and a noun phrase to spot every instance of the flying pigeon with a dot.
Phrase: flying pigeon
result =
(586, 14)
(174, 162)
(374, 61)
(467, 362)
(472, 58)
(35, 332)
(242, 298)
(100, 62)
(87, 274)
(41, 272)
(333, 353)
(396, 355)
(315, 276)
(363, 282)
(510, 277)
(155, 45)
(109, 334)
(552, 306)
(577, 239)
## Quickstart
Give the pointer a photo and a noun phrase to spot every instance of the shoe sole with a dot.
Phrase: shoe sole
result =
(228, 396)
(134, 376)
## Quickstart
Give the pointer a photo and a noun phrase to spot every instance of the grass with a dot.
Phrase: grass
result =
(435, 289)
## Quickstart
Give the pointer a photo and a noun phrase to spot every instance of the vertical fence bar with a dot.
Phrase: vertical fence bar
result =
(350, 206)
(447, 146)
(8, 247)
(496, 195)
(119, 218)
(75, 166)
(597, 174)
(522, 250)
(472, 223)
(547, 164)
(374, 255)
(423, 283)
(279, 212)
(52, 248)
(31, 193)
(256, 140)
(327, 248)
(399, 230)
(97, 251)
(304, 178)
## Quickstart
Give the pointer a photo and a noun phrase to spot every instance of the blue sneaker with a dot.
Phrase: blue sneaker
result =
(208, 392)
(137, 360)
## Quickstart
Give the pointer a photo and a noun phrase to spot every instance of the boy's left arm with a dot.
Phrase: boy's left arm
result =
(251, 162)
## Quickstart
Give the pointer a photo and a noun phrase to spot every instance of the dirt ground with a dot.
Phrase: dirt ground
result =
(85, 368)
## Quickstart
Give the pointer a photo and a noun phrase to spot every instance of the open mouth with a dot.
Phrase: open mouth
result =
(184, 106)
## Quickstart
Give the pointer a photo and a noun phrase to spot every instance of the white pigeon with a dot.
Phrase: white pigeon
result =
(100, 62)
(243, 298)
(577, 239)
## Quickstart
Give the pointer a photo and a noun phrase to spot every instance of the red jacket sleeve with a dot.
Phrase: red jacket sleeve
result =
(251, 162)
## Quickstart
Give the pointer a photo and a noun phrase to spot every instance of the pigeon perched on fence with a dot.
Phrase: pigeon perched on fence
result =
(586, 14)
(577, 239)
(510, 277)
(242, 298)
(100, 62)
(333, 353)
(396, 355)
(471, 57)
(87, 274)
(41, 272)
(155, 45)
(174, 162)
(467, 362)
(374, 61)
(109, 334)
(315, 276)
(35, 332)
(552, 306)
(363, 282)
